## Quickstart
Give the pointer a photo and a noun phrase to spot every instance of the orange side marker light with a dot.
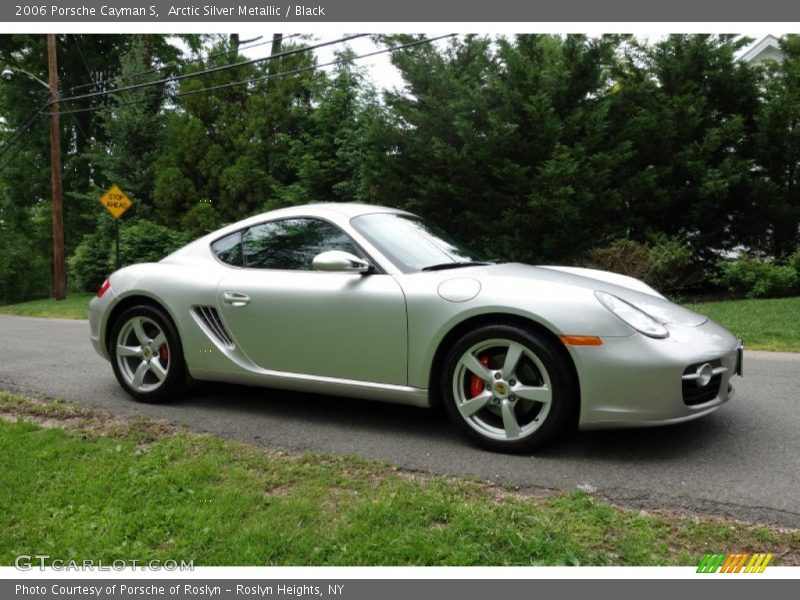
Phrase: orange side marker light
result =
(581, 340)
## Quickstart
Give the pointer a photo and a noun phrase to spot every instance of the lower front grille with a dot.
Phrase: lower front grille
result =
(209, 317)
(693, 392)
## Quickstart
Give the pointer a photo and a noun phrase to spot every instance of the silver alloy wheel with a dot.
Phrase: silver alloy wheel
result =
(143, 354)
(516, 393)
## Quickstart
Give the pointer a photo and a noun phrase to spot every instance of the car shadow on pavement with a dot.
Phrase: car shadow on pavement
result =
(317, 407)
(646, 444)
(333, 416)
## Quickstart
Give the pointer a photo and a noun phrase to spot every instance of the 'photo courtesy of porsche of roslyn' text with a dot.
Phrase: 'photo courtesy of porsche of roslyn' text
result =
(388, 304)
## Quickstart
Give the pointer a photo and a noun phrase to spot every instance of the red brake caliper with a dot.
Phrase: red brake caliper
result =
(163, 352)
(476, 383)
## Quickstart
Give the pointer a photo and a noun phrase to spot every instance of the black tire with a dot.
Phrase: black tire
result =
(171, 362)
(542, 371)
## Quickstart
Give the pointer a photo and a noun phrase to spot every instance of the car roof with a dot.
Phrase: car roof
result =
(348, 209)
(330, 210)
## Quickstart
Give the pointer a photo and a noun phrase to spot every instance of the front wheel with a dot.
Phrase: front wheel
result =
(507, 388)
(147, 356)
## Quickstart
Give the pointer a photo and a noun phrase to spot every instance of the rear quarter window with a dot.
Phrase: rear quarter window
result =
(229, 249)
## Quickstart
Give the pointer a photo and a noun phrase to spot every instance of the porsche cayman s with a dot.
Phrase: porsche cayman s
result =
(372, 302)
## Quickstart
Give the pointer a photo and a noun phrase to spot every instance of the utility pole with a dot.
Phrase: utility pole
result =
(58, 279)
(277, 41)
(277, 38)
(59, 287)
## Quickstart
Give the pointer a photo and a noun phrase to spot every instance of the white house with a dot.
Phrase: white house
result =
(767, 49)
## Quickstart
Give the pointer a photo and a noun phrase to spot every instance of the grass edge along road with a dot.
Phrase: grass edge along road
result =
(771, 324)
(80, 483)
(75, 306)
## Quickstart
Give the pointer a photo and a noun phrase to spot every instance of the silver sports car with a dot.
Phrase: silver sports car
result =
(372, 302)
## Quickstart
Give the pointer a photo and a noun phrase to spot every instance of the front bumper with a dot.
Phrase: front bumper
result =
(638, 381)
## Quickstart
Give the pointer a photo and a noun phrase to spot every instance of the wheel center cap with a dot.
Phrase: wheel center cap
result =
(146, 353)
(501, 388)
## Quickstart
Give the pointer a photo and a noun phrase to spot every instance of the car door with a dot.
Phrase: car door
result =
(287, 317)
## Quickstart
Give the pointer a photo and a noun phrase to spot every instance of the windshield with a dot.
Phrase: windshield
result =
(411, 243)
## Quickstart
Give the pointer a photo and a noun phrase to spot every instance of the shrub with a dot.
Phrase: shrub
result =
(794, 262)
(24, 267)
(89, 265)
(623, 256)
(674, 266)
(756, 277)
(140, 241)
(666, 263)
(145, 241)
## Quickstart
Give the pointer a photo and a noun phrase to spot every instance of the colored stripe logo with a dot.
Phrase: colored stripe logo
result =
(742, 562)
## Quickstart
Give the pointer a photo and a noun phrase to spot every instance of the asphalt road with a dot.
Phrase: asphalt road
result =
(743, 461)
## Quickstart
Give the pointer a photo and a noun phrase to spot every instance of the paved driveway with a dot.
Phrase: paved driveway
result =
(743, 461)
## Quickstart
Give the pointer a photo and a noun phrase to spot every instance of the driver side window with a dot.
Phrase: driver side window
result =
(291, 244)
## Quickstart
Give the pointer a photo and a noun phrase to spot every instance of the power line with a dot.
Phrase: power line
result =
(24, 129)
(14, 108)
(88, 72)
(78, 123)
(4, 149)
(18, 135)
(266, 77)
(11, 158)
(280, 74)
(83, 58)
(338, 61)
(216, 69)
(20, 130)
(245, 46)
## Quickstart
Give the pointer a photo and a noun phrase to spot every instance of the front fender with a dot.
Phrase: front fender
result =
(561, 309)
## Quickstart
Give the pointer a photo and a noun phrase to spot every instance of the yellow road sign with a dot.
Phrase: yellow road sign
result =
(115, 201)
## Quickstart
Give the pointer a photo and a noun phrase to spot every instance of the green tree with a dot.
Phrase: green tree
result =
(508, 146)
(330, 152)
(134, 125)
(233, 145)
(685, 106)
(777, 149)
(86, 64)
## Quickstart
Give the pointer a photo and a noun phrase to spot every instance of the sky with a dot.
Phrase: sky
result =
(379, 68)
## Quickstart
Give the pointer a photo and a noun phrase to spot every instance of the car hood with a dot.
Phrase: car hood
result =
(629, 289)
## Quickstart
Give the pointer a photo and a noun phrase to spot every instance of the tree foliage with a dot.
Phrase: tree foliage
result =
(538, 148)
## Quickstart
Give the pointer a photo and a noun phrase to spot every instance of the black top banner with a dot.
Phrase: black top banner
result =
(440, 11)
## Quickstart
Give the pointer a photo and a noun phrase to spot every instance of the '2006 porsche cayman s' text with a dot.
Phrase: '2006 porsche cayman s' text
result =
(371, 302)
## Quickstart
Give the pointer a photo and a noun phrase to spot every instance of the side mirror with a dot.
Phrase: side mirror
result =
(336, 260)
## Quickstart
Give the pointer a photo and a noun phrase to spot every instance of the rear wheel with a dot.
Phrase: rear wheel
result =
(147, 356)
(508, 388)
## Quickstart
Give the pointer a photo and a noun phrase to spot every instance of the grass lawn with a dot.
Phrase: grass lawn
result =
(772, 324)
(76, 306)
(78, 484)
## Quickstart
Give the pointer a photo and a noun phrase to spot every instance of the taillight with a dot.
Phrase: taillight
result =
(104, 288)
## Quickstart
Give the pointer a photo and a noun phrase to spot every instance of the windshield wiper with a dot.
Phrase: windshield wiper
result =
(453, 265)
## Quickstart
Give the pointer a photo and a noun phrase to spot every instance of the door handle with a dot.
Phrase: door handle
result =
(235, 299)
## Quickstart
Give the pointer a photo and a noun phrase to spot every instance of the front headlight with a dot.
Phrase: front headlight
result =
(636, 318)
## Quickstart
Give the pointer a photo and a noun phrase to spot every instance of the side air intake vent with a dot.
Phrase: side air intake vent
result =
(209, 318)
